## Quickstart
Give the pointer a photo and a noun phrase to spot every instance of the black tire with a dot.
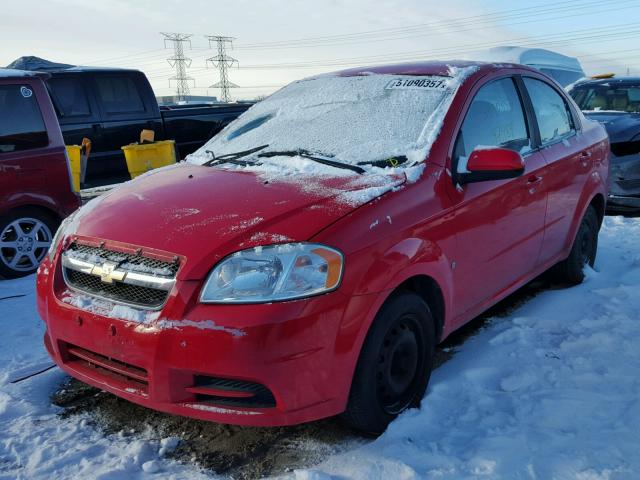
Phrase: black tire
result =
(583, 251)
(34, 243)
(394, 366)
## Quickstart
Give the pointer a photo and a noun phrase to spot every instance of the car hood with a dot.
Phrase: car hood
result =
(620, 126)
(204, 214)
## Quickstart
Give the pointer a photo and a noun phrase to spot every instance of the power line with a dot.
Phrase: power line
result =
(179, 62)
(222, 62)
(423, 29)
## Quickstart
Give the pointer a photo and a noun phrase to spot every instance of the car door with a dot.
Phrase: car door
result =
(25, 147)
(569, 164)
(500, 223)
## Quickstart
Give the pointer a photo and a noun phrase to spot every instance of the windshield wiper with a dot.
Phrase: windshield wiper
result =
(232, 157)
(387, 162)
(315, 158)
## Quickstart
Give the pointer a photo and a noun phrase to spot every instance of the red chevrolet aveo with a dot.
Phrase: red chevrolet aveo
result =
(308, 259)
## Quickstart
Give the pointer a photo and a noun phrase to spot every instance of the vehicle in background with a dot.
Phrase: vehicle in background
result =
(615, 102)
(326, 288)
(111, 106)
(35, 184)
(563, 69)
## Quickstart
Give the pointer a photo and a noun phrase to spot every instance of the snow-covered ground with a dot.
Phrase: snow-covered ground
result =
(551, 391)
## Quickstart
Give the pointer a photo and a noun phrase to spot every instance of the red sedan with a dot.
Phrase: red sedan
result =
(308, 259)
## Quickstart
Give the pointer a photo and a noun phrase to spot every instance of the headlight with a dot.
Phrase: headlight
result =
(276, 272)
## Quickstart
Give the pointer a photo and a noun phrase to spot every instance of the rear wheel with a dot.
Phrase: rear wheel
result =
(394, 366)
(583, 251)
(25, 237)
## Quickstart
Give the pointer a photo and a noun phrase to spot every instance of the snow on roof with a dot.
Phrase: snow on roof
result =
(538, 57)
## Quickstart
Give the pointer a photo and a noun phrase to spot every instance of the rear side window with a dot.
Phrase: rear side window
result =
(69, 96)
(495, 119)
(21, 124)
(552, 112)
(119, 94)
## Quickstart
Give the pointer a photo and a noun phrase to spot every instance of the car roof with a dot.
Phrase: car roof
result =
(15, 73)
(37, 64)
(431, 67)
(538, 57)
(604, 81)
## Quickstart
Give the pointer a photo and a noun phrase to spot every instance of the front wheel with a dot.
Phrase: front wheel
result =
(583, 251)
(394, 365)
(25, 237)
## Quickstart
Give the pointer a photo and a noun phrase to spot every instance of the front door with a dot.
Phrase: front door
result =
(500, 222)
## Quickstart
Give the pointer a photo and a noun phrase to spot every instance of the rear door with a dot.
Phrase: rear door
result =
(569, 164)
(126, 107)
(25, 151)
(500, 222)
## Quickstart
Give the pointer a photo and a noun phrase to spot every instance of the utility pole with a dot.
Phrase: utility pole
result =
(179, 62)
(222, 61)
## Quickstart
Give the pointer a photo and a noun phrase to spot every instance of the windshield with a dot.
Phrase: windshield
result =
(611, 96)
(349, 119)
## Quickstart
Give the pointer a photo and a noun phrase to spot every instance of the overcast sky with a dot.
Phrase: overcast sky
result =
(603, 34)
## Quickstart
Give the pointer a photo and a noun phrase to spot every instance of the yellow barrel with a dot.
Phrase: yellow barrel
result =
(74, 154)
(146, 156)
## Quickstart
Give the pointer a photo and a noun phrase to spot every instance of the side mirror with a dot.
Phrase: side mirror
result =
(492, 164)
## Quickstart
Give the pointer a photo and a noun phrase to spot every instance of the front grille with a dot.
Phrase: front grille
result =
(92, 364)
(130, 278)
(118, 291)
(237, 393)
(127, 261)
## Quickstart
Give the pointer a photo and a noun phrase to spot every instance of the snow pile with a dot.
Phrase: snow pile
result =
(550, 392)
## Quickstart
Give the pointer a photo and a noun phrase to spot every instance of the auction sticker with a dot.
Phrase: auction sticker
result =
(431, 82)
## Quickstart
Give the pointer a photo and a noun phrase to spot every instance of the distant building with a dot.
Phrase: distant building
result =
(173, 99)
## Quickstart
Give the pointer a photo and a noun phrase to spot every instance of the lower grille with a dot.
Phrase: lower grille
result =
(236, 393)
(109, 368)
(118, 291)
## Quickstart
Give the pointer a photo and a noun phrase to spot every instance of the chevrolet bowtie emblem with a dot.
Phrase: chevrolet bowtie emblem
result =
(108, 273)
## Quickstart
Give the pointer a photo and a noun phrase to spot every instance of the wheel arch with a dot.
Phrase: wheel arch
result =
(427, 288)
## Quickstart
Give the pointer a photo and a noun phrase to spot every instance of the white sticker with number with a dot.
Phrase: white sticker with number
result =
(419, 83)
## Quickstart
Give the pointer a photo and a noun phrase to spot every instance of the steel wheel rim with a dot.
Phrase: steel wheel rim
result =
(24, 243)
(399, 365)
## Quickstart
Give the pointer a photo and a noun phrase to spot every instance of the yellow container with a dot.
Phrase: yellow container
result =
(146, 156)
(74, 154)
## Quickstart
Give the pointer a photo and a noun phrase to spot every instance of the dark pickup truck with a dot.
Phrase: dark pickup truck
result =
(111, 106)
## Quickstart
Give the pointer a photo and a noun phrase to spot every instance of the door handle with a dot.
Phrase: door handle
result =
(533, 180)
(584, 158)
(585, 154)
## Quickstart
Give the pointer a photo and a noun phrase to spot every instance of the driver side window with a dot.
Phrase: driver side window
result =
(495, 118)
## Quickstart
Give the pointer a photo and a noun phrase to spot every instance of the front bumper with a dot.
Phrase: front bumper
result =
(298, 352)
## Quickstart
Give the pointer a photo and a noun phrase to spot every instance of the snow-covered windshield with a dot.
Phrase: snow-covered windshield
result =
(352, 120)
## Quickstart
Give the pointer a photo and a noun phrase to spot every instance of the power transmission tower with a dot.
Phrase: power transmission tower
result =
(179, 62)
(222, 61)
